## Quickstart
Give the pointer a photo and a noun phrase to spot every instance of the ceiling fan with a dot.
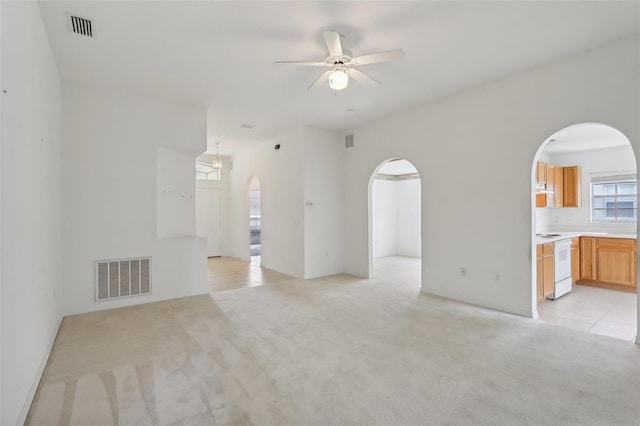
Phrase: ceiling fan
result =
(342, 63)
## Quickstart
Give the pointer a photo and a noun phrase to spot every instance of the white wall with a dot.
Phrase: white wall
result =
(384, 218)
(30, 267)
(128, 184)
(619, 159)
(298, 238)
(395, 216)
(281, 176)
(323, 247)
(474, 153)
(408, 217)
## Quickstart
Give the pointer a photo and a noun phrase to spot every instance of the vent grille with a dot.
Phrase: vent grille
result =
(123, 278)
(81, 26)
(348, 141)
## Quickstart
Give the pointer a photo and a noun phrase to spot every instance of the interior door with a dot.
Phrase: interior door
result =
(208, 222)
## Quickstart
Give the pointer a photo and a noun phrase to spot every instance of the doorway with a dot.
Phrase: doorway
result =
(255, 231)
(585, 208)
(395, 224)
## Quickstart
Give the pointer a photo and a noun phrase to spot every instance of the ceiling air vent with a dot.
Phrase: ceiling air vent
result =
(348, 141)
(82, 26)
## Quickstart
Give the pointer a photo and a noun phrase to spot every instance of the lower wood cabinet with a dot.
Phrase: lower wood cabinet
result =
(544, 271)
(539, 274)
(608, 262)
(575, 259)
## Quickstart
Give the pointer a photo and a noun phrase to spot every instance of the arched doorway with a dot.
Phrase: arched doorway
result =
(395, 235)
(584, 224)
(255, 228)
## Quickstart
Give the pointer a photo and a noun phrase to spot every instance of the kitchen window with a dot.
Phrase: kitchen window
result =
(614, 198)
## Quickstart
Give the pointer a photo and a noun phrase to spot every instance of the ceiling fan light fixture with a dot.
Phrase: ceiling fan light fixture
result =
(338, 79)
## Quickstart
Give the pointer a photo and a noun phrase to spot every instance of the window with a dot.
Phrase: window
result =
(614, 199)
(206, 171)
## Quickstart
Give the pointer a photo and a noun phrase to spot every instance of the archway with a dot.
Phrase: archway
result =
(395, 216)
(584, 225)
(255, 225)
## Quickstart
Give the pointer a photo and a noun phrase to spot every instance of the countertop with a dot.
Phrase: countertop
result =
(566, 235)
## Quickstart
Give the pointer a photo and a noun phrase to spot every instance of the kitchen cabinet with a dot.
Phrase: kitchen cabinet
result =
(547, 269)
(551, 177)
(541, 172)
(571, 186)
(587, 258)
(558, 183)
(575, 259)
(608, 263)
(616, 259)
(544, 271)
(539, 274)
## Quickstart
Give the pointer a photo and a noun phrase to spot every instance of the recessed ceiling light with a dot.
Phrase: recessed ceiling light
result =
(247, 126)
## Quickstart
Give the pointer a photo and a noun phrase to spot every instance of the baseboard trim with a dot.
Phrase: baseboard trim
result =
(482, 303)
(34, 387)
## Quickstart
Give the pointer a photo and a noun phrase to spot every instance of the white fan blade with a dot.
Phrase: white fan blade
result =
(303, 63)
(391, 55)
(361, 77)
(334, 45)
(324, 77)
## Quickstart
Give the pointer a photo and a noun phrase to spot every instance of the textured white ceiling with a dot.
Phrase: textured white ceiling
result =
(219, 54)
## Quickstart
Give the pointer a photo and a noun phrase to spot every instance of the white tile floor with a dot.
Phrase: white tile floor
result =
(594, 310)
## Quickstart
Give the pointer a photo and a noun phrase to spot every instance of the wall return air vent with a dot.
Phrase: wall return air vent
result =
(348, 141)
(82, 26)
(123, 278)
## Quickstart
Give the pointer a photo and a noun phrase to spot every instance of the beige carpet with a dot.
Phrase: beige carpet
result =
(335, 351)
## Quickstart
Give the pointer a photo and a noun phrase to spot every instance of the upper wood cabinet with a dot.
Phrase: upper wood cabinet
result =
(541, 172)
(558, 182)
(571, 186)
(563, 181)
(551, 178)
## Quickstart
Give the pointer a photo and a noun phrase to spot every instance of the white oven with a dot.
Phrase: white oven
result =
(562, 268)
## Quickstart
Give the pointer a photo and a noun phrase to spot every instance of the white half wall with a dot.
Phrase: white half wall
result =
(120, 154)
(323, 226)
(175, 193)
(474, 153)
(31, 274)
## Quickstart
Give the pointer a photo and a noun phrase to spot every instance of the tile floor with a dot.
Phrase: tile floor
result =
(228, 273)
(594, 310)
